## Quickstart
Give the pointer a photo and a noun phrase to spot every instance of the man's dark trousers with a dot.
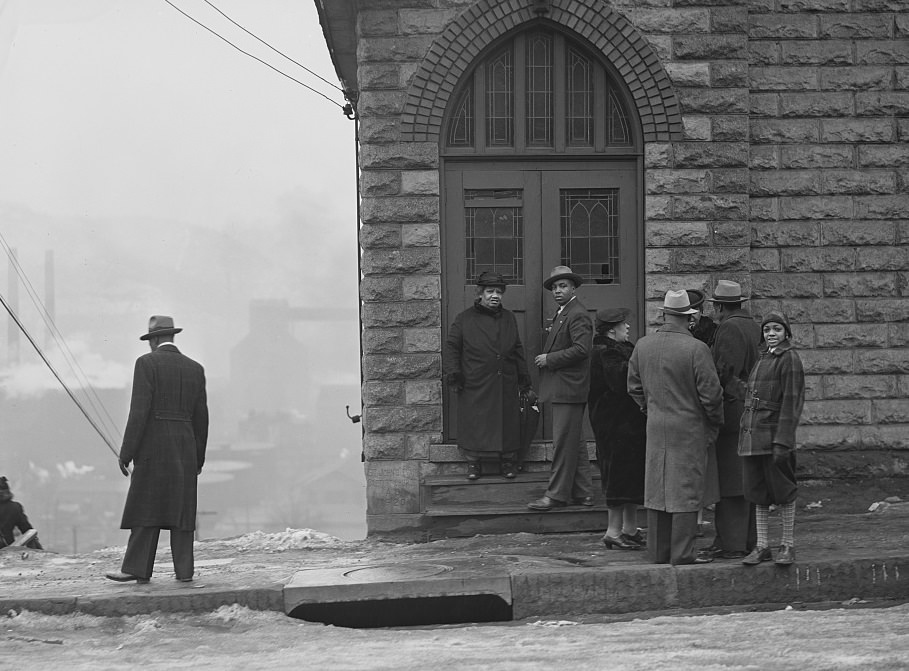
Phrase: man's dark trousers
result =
(139, 559)
(670, 537)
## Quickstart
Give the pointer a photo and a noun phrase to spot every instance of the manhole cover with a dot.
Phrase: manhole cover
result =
(395, 572)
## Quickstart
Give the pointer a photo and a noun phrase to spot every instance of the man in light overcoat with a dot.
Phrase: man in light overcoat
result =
(564, 368)
(672, 378)
(165, 440)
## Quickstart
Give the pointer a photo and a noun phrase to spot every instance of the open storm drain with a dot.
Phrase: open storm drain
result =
(399, 595)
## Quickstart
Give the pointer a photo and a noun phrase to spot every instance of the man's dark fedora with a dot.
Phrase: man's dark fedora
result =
(160, 325)
(562, 273)
(727, 291)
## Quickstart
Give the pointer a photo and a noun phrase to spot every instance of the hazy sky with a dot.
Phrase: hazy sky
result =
(171, 174)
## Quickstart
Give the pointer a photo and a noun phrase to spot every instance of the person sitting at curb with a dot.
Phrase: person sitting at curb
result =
(12, 517)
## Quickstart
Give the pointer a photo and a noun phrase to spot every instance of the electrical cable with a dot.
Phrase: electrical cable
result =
(253, 57)
(280, 53)
(91, 421)
(85, 386)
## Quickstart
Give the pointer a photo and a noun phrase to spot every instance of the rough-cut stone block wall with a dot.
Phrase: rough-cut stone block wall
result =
(696, 190)
(790, 176)
(830, 214)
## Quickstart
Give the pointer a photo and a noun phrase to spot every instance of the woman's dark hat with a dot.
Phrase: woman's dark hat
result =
(777, 318)
(696, 297)
(727, 291)
(159, 325)
(611, 316)
(490, 279)
(562, 273)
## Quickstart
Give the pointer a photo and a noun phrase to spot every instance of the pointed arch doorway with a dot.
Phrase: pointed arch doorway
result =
(541, 166)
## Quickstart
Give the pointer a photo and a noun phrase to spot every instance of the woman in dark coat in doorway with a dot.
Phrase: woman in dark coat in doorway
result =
(484, 364)
(619, 428)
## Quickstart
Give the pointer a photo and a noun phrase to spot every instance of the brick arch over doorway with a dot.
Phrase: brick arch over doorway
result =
(608, 31)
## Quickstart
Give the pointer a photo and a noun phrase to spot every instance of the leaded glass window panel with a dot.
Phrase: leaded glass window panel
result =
(590, 233)
(579, 100)
(500, 99)
(539, 89)
(460, 130)
(619, 133)
(494, 233)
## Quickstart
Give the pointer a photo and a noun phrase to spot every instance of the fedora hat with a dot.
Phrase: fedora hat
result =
(159, 325)
(562, 273)
(490, 279)
(677, 303)
(611, 316)
(727, 291)
(696, 296)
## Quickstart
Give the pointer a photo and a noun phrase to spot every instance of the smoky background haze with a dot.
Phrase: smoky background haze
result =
(146, 167)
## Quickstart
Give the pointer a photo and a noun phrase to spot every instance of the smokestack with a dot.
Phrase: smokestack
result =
(13, 300)
(49, 296)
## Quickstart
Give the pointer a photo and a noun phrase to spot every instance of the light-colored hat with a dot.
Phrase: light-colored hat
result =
(727, 291)
(562, 273)
(677, 303)
(159, 325)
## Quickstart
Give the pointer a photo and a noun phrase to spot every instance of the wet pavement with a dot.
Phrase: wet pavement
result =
(843, 553)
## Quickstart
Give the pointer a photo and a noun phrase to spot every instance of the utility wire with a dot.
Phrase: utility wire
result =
(255, 57)
(280, 53)
(57, 375)
(90, 393)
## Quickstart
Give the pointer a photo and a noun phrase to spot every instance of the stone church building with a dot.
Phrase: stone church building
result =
(648, 144)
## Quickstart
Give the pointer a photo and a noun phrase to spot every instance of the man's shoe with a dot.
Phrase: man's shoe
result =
(545, 503)
(508, 470)
(785, 556)
(732, 554)
(184, 579)
(473, 470)
(584, 501)
(711, 551)
(758, 555)
(119, 576)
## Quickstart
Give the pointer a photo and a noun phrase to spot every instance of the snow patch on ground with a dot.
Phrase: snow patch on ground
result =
(289, 539)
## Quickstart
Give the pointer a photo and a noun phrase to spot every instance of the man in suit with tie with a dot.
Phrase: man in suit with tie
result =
(564, 382)
(165, 439)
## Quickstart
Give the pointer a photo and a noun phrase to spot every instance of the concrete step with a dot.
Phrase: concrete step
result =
(445, 492)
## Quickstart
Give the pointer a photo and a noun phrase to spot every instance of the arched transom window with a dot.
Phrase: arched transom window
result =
(538, 93)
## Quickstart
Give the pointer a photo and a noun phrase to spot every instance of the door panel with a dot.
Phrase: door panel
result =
(522, 222)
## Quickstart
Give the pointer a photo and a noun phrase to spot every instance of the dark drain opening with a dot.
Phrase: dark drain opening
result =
(407, 612)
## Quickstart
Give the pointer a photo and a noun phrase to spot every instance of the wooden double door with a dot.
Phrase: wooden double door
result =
(522, 221)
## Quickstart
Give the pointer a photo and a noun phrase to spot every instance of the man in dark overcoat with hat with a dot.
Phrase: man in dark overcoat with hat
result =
(735, 352)
(165, 439)
(564, 383)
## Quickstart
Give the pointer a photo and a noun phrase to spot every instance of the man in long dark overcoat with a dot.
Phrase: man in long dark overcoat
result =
(672, 378)
(565, 382)
(735, 352)
(165, 439)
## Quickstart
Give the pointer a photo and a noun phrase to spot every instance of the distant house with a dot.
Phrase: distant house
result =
(648, 146)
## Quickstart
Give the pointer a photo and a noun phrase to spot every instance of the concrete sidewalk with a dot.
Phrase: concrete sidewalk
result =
(840, 556)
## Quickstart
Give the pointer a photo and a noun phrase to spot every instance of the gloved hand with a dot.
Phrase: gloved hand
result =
(780, 453)
(529, 394)
(456, 381)
(124, 467)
